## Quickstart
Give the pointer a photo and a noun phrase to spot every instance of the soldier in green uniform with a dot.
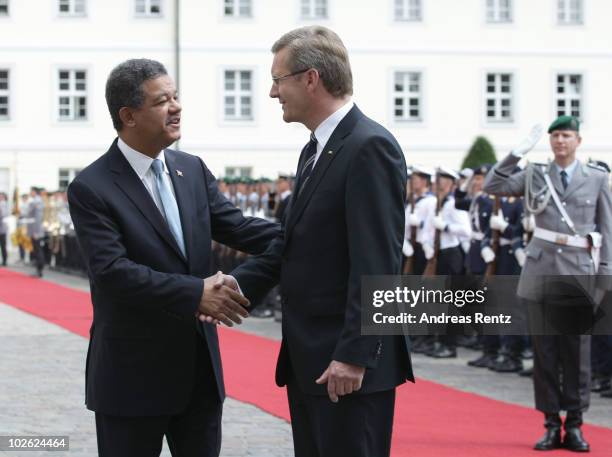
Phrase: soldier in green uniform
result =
(572, 206)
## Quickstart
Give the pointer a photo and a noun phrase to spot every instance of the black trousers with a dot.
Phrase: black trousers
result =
(3, 247)
(356, 426)
(38, 253)
(195, 432)
(562, 372)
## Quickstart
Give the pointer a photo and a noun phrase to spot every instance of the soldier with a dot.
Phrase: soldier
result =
(479, 206)
(421, 218)
(36, 231)
(3, 227)
(510, 259)
(283, 187)
(570, 201)
(452, 223)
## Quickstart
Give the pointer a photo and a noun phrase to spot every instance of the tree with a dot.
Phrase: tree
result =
(480, 153)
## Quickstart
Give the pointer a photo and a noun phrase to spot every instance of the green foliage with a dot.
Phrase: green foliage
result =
(480, 153)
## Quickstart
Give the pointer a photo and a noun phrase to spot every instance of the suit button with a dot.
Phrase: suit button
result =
(559, 250)
(562, 219)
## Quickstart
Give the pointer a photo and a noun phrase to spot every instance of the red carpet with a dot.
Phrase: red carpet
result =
(431, 419)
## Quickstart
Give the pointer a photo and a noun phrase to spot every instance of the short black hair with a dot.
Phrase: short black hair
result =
(124, 85)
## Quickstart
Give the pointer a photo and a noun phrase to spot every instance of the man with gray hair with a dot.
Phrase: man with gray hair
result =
(345, 220)
(145, 216)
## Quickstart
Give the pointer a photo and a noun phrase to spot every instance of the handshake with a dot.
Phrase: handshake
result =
(222, 301)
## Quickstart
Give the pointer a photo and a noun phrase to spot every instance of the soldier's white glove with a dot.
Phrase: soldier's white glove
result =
(414, 220)
(528, 223)
(497, 222)
(439, 223)
(407, 249)
(468, 173)
(520, 256)
(528, 143)
(428, 250)
(487, 254)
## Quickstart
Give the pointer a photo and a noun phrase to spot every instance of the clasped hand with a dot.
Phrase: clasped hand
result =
(222, 301)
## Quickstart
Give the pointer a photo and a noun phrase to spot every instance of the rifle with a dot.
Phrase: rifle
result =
(491, 266)
(409, 265)
(430, 268)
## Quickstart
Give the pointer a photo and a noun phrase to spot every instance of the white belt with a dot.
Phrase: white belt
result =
(504, 242)
(479, 236)
(565, 239)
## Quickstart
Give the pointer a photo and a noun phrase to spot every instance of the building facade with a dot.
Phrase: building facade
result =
(437, 73)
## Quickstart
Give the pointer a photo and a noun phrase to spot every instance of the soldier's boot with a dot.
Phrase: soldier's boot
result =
(573, 439)
(484, 361)
(552, 438)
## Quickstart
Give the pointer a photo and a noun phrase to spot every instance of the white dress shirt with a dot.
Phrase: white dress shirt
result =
(141, 164)
(325, 129)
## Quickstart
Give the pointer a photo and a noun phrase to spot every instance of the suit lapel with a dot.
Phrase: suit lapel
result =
(578, 179)
(129, 182)
(184, 199)
(330, 151)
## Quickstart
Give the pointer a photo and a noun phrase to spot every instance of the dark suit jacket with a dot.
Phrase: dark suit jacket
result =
(141, 357)
(346, 223)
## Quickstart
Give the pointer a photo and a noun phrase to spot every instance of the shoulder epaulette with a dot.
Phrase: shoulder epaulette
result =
(596, 166)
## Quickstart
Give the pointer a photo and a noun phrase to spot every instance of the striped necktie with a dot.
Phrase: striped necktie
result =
(309, 158)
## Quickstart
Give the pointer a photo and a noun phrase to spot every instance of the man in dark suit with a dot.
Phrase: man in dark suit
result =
(345, 221)
(145, 217)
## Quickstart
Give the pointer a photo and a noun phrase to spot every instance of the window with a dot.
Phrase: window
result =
(408, 10)
(499, 11)
(314, 9)
(4, 7)
(72, 98)
(148, 7)
(569, 95)
(66, 176)
(407, 96)
(4, 95)
(238, 8)
(72, 7)
(238, 172)
(499, 97)
(238, 95)
(569, 12)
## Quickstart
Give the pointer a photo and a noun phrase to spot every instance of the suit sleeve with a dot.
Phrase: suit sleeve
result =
(375, 230)
(501, 181)
(110, 269)
(230, 227)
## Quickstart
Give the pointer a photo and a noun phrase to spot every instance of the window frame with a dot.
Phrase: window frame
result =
(7, 92)
(406, 5)
(496, 19)
(72, 93)
(8, 8)
(72, 8)
(407, 95)
(312, 10)
(567, 11)
(556, 96)
(495, 122)
(236, 8)
(237, 121)
(147, 13)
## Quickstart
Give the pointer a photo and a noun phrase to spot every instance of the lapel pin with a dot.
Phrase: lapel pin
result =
(179, 172)
(330, 152)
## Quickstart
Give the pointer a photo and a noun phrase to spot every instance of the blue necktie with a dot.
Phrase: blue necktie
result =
(170, 207)
(564, 179)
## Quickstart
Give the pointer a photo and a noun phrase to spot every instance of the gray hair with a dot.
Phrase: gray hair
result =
(124, 85)
(322, 49)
